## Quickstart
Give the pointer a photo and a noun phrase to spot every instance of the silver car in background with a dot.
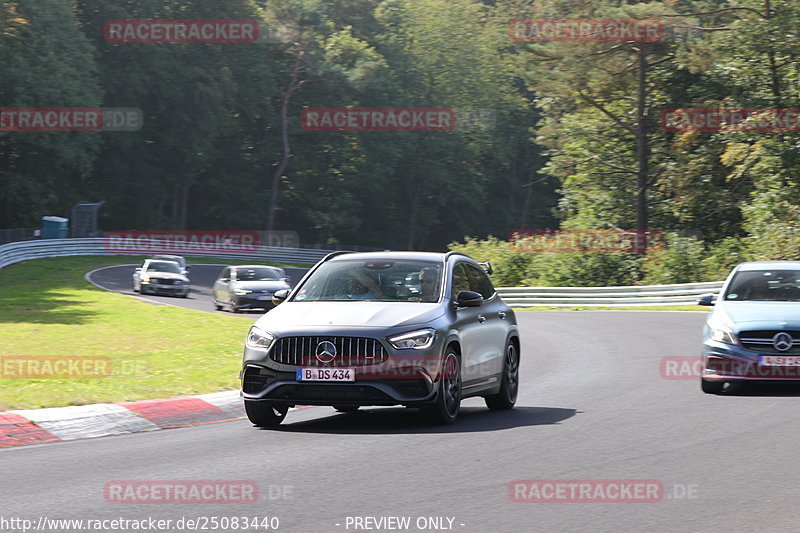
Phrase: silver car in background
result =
(161, 277)
(753, 332)
(176, 259)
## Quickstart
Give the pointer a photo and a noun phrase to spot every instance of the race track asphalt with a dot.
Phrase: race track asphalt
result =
(595, 404)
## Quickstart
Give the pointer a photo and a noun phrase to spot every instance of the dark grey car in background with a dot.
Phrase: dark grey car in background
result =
(419, 329)
(248, 287)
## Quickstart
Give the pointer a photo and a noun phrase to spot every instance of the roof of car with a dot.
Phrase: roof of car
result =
(407, 255)
(770, 265)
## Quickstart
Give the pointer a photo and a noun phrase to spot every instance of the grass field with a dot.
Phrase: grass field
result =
(48, 309)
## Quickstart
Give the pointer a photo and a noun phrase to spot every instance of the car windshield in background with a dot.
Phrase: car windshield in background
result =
(381, 280)
(164, 266)
(257, 274)
(174, 258)
(764, 285)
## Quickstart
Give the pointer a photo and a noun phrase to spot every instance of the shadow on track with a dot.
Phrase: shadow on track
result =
(402, 420)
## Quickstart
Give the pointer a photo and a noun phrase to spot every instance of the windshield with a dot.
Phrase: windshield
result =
(387, 281)
(164, 266)
(173, 258)
(257, 274)
(764, 285)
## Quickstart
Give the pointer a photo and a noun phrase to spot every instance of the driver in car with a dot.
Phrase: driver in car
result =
(429, 284)
(362, 287)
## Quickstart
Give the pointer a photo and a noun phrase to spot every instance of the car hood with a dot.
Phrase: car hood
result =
(757, 315)
(166, 275)
(350, 314)
(273, 285)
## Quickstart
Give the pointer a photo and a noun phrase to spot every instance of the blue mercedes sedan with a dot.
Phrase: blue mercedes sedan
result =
(753, 332)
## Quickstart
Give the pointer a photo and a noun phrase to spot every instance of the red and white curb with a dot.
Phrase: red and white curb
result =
(34, 426)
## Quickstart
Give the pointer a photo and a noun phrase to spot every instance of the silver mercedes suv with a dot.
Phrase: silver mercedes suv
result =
(419, 329)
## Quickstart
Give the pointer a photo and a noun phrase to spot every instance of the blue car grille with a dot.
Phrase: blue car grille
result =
(761, 341)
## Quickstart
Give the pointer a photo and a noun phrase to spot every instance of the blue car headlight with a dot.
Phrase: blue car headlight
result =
(723, 335)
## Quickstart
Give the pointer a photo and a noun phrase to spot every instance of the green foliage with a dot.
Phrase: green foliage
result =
(681, 261)
(570, 269)
(212, 134)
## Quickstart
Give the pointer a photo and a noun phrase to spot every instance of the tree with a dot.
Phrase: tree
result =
(46, 62)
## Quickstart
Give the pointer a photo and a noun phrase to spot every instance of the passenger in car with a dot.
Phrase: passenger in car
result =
(429, 284)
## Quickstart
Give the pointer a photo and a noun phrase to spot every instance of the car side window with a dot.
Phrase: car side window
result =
(460, 279)
(479, 282)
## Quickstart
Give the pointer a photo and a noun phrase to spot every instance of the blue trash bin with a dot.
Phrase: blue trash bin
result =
(55, 227)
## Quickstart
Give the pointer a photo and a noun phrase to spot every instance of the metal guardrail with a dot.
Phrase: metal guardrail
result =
(25, 250)
(677, 294)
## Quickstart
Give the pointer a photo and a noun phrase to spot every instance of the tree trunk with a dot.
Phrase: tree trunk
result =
(284, 162)
(642, 145)
(294, 84)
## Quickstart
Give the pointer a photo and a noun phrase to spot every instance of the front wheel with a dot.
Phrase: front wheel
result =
(445, 409)
(507, 397)
(264, 414)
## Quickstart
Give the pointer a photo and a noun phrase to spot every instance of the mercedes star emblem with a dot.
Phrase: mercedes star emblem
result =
(326, 351)
(782, 341)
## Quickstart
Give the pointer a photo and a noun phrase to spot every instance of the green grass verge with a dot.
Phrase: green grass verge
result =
(47, 308)
(628, 308)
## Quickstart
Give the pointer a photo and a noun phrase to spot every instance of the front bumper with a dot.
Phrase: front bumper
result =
(406, 382)
(726, 362)
(254, 301)
(165, 289)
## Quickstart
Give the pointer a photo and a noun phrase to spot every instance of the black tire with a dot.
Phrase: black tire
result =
(264, 414)
(712, 387)
(135, 289)
(507, 397)
(445, 410)
(346, 408)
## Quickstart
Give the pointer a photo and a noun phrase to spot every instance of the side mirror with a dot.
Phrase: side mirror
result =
(469, 299)
(287, 280)
(280, 296)
(187, 268)
(706, 299)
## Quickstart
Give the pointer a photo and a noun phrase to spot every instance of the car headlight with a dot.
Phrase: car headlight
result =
(417, 340)
(723, 335)
(241, 292)
(258, 339)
